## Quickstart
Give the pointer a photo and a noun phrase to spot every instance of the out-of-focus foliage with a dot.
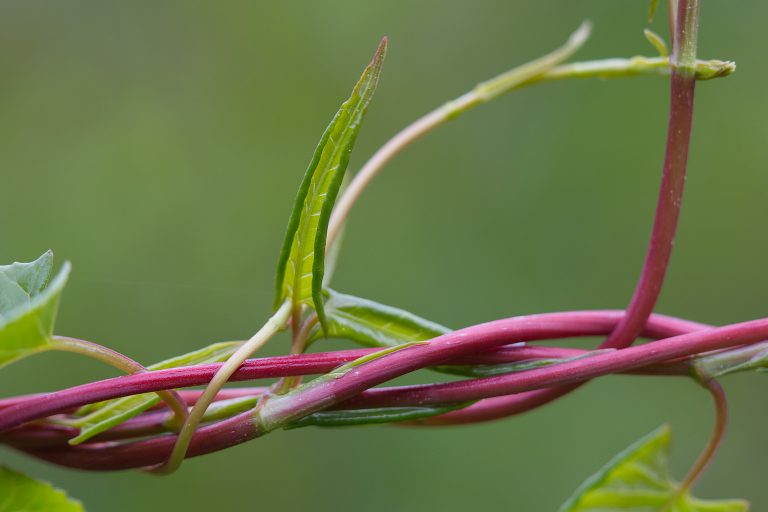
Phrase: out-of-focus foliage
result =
(159, 146)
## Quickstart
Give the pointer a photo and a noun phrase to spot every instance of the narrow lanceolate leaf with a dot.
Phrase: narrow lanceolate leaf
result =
(356, 417)
(27, 307)
(105, 415)
(302, 259)
(20, 493)
(638, 480)
(720, 364)
(491, 370)
(372, 324)
(652, 6)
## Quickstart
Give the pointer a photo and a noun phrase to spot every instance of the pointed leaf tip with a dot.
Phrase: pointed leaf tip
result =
(657, 42)
(580, 36)
(28, 306)
(638, 480)
(302, 259)
(652, 9)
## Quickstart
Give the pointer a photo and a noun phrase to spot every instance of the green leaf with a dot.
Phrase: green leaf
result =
(351, 418)
(372, 324)
(657, 42)
(638, 480)
(105, 415)
(27, 307)
(652, 6)
(20, 493)
(491, 370)
(742, 359)
(301, 265)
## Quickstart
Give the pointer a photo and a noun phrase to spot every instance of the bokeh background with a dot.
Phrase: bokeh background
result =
(158, 146)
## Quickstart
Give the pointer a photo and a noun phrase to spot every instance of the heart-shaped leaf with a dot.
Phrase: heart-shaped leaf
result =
(27, 307)
(301, 265)
(20, 493)
(638, 480)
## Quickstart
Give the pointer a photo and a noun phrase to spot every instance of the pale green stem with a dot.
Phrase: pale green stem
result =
(482, 93)
(298, 346)
(124, 364)
(270, 328)
(223, 409)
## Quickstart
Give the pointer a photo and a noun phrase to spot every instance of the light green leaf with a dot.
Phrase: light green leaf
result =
(657, 42)
(301, 265)
(28, 308)
(372, 324)
(742, 359)
(105, 415)
(638, 480)
(20, 493)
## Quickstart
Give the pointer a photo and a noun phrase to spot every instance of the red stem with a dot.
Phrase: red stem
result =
(526, 328)
(281, 410)
(665, 223)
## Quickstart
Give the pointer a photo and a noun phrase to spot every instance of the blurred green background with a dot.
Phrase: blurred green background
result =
(158, 145)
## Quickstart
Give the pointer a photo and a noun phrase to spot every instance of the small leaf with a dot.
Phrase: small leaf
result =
(105, 415)
(657, 42)
(652, 6)
(742, 359)
(28, 308)
(355, 417)
(372, 324)
(486, 91)
(301, 265)
(638, 480)
(20, 493)
(491, 370)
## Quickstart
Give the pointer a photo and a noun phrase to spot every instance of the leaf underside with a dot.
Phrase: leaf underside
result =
(27, 307)
(302, 258)
(638, 480)
(20, 493)
(372, 324)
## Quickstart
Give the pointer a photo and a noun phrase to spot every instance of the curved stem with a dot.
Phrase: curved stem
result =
(273, 325)
(122, 363)
(718, 432)
(605, 68)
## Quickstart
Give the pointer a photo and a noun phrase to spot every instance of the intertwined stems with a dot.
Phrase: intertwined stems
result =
(542, 70)
(343, 389)
(123, 363)
(273, 325)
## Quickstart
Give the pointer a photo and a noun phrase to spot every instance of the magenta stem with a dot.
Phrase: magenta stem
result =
(341, 391)
(665, 223)
(527, 328)
(281, 410)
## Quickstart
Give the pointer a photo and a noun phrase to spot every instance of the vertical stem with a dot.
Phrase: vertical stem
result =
(649, 285)
(274, 324)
